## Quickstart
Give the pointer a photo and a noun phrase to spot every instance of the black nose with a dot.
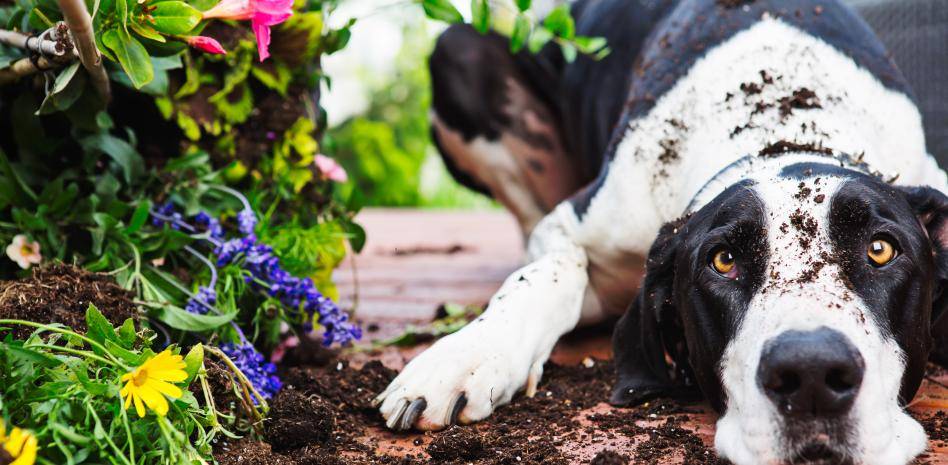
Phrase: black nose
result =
(811, 373)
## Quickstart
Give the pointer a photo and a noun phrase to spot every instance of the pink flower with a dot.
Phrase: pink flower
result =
(330, 169)
(24, 252)
(206, 44)
(261, 13)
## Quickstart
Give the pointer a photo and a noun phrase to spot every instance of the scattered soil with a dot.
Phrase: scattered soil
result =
(534, 430)
(61, 293)
(609, 457)
(784, 146)
(457, 443)
(800, 99)
(221, 385)
(5, 458)
(298, 421)
(431, 250)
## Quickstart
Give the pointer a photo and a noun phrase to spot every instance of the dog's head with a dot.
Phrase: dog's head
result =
(802, 302)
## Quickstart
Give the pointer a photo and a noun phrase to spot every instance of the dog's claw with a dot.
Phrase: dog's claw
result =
(459, 403)
(393, 420)
(533, 379)
(411, 414)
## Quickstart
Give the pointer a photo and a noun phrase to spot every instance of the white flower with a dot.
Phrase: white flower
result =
(24, 252)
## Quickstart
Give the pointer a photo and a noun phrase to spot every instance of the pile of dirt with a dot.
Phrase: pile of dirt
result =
(325, 417)
(61, 293)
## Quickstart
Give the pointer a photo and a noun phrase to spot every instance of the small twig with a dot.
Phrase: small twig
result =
(80, 26)
(24, 67)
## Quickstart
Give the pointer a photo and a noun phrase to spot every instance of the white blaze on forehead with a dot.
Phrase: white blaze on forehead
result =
(805, 289)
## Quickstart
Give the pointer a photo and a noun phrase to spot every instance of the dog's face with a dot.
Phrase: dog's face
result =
(801, 301)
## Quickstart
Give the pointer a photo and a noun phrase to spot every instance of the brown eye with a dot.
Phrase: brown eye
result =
(723, 262)
(881, 252)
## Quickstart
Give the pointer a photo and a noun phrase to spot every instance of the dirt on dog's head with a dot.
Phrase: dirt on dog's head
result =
(802, 301)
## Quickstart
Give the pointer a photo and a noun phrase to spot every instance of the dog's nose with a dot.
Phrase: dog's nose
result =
(811, 373)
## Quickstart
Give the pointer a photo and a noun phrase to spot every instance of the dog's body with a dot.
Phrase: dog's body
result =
(765, 131)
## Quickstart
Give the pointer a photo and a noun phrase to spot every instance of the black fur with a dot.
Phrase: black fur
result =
(684, 307)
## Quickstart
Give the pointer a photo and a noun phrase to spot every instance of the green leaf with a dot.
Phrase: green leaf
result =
(147, 32)
(121, 152)
(179, 318)
(175, 18)
(538, 39)
(521, 31)
(126, 355)
(480, 15)
(131, 54)
(523, 5)
(589, 45)
(100, 330)
(560, 23)
(193, 362)
(442, 10)
(127, 334)
(66, 90)
(139, 217)
(569, 52)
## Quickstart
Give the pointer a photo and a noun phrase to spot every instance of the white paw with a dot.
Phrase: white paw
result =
(461, 378)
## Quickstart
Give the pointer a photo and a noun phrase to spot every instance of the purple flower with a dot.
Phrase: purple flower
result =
(246, 221)
(206, 295)
(166, 214)
(210, 224)
(260, 373)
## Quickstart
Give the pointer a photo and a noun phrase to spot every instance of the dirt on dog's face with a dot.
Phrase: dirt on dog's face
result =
(804, 298)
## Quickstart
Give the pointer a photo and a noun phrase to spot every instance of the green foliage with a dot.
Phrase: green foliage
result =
(64, 387)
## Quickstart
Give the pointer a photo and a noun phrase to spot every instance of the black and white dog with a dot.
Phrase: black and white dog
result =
(764, 162)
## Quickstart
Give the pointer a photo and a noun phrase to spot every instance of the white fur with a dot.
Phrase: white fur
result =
(859, 115)
(492, 358)
(749, 432)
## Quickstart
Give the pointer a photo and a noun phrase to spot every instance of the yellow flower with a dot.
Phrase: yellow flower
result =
(20, 445)
(151, 382)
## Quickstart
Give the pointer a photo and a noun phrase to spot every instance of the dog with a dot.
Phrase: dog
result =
(763, 162)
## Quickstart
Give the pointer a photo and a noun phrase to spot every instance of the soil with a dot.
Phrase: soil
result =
(61, 293)
(609, 457)
(324, 416)
(784, 146)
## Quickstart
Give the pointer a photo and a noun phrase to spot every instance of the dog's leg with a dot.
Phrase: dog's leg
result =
(465, 376)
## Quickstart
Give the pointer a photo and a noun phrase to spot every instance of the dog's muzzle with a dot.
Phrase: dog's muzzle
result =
(811, 375)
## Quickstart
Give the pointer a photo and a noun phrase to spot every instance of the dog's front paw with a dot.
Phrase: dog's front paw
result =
(459, 379)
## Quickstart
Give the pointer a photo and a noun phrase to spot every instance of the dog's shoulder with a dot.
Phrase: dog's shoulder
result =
(693, 28)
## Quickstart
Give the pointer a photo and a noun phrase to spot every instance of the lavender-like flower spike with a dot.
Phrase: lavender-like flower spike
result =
(251, 363)
(210, 224)
(166, 214)
(246, 221)
(202, 302)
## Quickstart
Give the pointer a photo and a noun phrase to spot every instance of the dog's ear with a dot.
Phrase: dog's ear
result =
(642, 372)
(931, 208)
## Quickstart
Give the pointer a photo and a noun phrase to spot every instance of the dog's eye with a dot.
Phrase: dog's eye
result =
(881, 252)
(723, 262)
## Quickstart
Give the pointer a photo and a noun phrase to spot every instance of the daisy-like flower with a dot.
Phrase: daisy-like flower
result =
(19, 446)
(24, 252)
(262, 15)
(330, 168)
(148, 384)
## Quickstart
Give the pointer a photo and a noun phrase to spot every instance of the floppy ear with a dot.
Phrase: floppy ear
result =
(639, 342)
(931, 208)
